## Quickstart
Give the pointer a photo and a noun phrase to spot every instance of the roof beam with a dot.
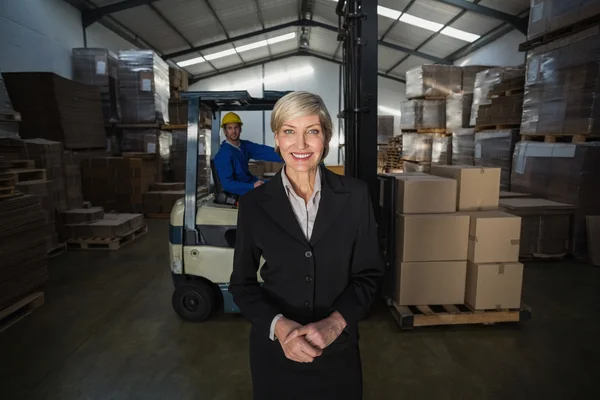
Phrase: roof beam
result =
(214, 13)
(413, 52)
(518, 23)
(303, 22)
(283, 56)
(92, 15)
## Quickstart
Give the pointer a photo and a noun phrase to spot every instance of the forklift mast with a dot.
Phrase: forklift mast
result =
(357, 23)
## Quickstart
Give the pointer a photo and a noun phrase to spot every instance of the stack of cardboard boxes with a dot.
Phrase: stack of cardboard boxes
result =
(56, 108)
(454, 246)
(118, 183)
(178, 81)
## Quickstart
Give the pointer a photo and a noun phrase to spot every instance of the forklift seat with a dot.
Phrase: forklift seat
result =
(221, 197)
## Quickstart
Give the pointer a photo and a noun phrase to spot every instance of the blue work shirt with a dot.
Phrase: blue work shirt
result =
(232, 164)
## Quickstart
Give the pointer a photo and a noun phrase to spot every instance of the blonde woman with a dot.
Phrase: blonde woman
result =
(318, 236)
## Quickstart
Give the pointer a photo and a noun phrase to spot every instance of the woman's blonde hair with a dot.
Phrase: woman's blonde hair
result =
(300, 104)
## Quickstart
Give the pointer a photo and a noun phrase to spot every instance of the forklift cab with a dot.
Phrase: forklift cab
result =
(202, 229)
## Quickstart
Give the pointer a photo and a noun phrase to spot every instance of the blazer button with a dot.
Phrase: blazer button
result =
(307, 304)
(308, 278)
(308, 254)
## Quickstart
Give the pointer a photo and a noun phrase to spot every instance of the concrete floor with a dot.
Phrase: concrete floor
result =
(107, 331)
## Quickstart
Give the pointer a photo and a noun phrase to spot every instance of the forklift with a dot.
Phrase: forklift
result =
(202, 228)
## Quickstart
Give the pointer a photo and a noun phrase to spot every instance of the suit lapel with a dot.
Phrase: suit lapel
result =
(277, 206)
(333, 199)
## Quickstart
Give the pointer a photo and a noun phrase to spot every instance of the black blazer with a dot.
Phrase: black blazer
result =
(337, 270)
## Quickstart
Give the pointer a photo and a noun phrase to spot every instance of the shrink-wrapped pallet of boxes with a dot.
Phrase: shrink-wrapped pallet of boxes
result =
(458, 111)
(144, 86)
(9, 125)
(433, 80)
(498, 98)
(423, 115)
(495, 148)
(469, 74)
(548, 16)
(562, 87)
(100, 67)
(463, 146)
(561, 172)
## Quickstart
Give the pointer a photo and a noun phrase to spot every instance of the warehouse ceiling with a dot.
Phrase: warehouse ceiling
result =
(211, 37)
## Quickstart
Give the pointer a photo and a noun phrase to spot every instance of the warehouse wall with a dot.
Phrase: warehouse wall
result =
(306, 73)
(504, 52)
(38, 35)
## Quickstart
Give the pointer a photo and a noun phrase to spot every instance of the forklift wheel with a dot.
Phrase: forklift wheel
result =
(193, 302)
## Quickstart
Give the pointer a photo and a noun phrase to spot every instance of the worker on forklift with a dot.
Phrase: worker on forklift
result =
(231, 162)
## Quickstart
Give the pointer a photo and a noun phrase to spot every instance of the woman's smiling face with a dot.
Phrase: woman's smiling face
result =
(301, 143)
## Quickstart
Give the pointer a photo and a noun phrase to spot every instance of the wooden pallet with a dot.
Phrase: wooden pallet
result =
(560, 33)
(409, 317)
(429, 98)
(10, 117)
(6, 196)
(7, 190)
(14, 313)
(26, 174)
(7, 180)
(105, 243)
(507, 92)
(57, 250)
(483, 127)
(422, 130)
(158, 215)
(560, 138)
(22, 164)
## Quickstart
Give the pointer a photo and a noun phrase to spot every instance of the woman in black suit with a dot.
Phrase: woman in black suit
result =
(317, 234)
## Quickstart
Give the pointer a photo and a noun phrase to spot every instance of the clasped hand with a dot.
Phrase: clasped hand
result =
(305, 343)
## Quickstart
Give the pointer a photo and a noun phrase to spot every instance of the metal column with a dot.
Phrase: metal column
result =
(191, 176)
(359, 33)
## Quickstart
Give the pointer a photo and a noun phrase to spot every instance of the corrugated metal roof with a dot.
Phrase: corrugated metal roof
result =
(408, 35)
(192, 19)
(475, 23)
(442, 46)
(323, 41)
(237, 17)
(146, 24)
(433, 11)
(199, 25)
(388, 57)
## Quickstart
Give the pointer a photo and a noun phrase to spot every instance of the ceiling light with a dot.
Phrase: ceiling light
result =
(458, 34)
(251, 46)
(420, 22)
(281, 38)
(388, 12)
(220, 54)
(192, 61)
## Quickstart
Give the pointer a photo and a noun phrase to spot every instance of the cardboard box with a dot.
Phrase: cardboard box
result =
(432, 237)
(494, 236)
(494, 286)
(425, 194)
(82, 215)
(478, 187)
(430, 283)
